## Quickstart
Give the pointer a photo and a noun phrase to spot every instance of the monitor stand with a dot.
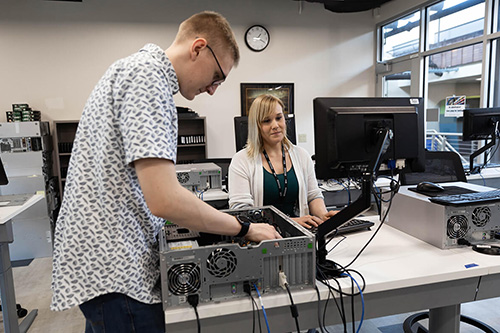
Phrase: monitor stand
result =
(478, 152)
(327, 269)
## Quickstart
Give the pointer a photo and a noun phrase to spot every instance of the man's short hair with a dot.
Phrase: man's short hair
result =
(214, 28)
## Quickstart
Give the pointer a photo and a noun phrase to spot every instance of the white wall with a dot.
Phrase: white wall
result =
(53, 53)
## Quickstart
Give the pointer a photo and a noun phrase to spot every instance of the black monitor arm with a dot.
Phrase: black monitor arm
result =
(487, 146)
(478, 152)
(363, 203)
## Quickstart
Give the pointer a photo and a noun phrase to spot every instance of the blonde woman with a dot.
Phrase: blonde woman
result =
(270, 170)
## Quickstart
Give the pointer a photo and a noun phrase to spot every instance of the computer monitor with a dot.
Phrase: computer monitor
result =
(345, 134)
(3, 175)
(241, 130)
(480, 124)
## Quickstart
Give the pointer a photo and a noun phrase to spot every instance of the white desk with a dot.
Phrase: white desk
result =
(6, 280)
(402, 274)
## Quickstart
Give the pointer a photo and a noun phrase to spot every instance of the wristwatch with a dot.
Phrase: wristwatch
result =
(245, 225)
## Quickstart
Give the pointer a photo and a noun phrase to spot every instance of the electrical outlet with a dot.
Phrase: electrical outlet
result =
(302, 138)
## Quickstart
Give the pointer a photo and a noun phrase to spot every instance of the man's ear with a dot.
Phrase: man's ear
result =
(196, 46)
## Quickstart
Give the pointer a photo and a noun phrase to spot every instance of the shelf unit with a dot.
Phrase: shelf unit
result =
(26, 153)
(191, 144)
(64, 135)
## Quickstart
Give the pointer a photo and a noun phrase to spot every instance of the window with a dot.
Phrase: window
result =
(453, 21)
(448, 71)
(397, 84)
(454, 79)
(401, 37)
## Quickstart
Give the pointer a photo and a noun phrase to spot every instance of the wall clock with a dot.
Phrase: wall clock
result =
(257, 38)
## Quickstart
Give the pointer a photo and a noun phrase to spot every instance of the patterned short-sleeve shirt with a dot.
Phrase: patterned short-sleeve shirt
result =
(105, 238)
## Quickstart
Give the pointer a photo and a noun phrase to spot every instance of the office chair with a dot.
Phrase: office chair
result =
(440, 167)
(241, 130)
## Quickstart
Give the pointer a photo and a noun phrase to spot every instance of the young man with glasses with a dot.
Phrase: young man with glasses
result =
(122, 184)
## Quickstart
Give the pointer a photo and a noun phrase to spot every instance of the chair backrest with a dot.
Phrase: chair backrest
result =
(440, 167)
(241, 130)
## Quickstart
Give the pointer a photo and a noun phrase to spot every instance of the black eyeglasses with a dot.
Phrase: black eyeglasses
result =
(217, 82)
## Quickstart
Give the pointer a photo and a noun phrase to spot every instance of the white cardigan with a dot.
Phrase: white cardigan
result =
(246, 180)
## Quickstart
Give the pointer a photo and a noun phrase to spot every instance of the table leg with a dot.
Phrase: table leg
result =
(7, 291)
(445, 319)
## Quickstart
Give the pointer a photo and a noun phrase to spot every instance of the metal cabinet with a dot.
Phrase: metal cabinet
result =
(26, 152)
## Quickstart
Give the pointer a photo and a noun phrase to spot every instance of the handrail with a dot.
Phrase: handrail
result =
(440, 141)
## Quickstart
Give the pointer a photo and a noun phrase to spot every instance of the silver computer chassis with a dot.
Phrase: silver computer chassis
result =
(441, 225)
(218, 268)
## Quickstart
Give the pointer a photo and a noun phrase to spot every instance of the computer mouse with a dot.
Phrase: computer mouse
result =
(429, 187)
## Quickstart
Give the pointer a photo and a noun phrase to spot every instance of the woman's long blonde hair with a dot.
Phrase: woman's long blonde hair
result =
(262, 107)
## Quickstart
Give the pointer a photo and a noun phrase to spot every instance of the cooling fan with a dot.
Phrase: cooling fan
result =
(184, 279)
(183, 177)
(481, 216)
(457, 226)
(221, 262)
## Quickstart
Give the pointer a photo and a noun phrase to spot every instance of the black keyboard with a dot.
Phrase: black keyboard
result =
(467, 198)
(351, 226)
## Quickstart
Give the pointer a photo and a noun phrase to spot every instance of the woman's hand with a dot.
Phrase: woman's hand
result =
(328, 215)
(308, 221)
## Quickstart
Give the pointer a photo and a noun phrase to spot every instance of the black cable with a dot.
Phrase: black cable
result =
(248, 289)
(393, 193)
(193, 301)
(293, 308)
(350, 270)
(253, 316)
(352, 294)
(352, 307)
(347, 271)
(340, 308)
(320, 324)
(344, 321)
(332, 237)
(330, 293)
(481, 248)
(258, 313)
(394, 189)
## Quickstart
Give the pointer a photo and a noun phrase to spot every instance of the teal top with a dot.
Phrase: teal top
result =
(272, 194)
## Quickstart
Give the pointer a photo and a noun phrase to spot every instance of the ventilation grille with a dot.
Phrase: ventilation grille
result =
(184, 279)
(481, 216)
(183, 177)
(221, 262)
(457, 226)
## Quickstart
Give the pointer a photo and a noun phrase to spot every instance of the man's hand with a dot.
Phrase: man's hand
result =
(261, 231)
(308, 221)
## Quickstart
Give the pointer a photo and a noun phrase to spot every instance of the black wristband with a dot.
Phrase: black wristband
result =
(245, 226)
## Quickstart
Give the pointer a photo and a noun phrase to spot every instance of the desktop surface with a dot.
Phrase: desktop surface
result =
(402, 274)
(14, 199)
